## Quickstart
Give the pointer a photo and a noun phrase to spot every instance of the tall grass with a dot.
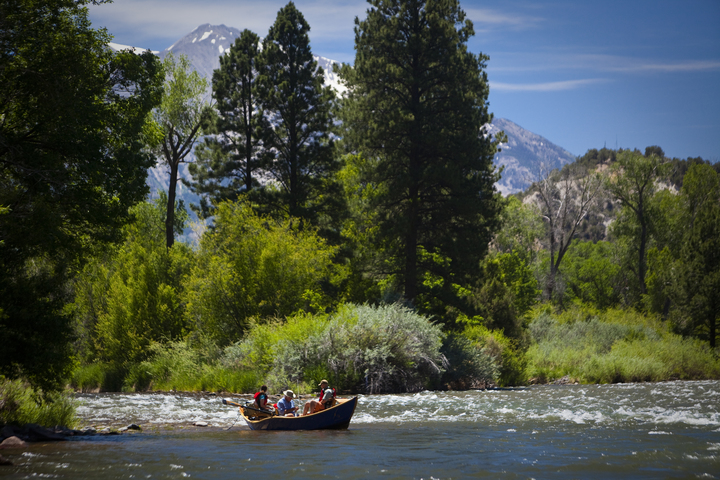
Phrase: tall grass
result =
(20, 404)
(614, 346)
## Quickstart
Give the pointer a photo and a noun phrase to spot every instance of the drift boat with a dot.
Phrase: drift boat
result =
(336, 417)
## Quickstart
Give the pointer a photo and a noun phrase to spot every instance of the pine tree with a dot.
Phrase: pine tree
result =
(416, 105)
(298, 107)
(228, 159)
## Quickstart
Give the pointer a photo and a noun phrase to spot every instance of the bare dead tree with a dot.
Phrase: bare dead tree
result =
(564, 198)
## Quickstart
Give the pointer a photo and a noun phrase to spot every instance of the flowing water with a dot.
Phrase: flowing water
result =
(649, 430)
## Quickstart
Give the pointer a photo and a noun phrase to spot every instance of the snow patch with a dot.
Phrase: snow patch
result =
(205, 35)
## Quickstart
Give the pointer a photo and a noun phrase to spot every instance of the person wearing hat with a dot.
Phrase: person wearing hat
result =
(325, 399)
(286, 407)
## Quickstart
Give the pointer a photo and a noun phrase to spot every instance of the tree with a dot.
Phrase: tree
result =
(416, 106)
(251, 268)
(73, 124)
(565, 198)
(180, 116)
(298, 107)
(632, 181)
(132, 295)
(228, 159)
(697, 278)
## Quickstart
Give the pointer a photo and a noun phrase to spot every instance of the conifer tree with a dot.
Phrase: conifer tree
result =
(298, 107)
(416, 105)
(229, 158)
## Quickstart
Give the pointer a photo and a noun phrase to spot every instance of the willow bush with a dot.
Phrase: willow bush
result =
(614, 346)
(20, 404)
(252, 267)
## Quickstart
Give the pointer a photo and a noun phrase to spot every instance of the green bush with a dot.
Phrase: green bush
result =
(509, 358)
(20, 404)
(387, 348)
(614, 346)
(468, 365)
(251, 268)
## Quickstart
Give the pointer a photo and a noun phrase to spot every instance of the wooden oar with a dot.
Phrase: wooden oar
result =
(234, 404)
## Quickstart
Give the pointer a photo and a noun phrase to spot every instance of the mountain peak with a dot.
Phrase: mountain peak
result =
(522, 155)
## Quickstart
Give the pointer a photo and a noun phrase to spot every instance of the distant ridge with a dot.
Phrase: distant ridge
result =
(523, 154)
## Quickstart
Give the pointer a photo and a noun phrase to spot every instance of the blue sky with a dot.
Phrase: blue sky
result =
(582, 73)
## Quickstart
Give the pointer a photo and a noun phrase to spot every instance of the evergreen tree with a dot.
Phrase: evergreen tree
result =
(416, 105)
(697, 271)
(229, 157)
(298, 107)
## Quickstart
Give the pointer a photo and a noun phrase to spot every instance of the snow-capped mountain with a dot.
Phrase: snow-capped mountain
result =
(204, 46)
(523, 154)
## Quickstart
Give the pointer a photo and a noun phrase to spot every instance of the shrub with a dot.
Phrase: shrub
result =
(252, 267)
(388, 348)
(20, 404)
(614, 346)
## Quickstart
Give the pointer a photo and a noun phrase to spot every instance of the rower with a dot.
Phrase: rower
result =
(261, 398)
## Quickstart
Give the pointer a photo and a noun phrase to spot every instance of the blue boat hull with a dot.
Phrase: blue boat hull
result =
(335, 418)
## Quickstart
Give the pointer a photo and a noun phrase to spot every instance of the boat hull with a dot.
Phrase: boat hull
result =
(334, 418)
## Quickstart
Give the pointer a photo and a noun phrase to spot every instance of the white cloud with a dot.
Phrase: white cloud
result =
(543, 87)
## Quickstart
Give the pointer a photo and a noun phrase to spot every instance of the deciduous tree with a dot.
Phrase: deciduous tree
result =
(73, 117)
(180, 117)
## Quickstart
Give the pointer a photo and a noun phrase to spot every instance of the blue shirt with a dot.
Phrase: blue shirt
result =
(284, 406)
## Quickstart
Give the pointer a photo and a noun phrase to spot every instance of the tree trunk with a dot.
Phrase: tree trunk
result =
(170, 217)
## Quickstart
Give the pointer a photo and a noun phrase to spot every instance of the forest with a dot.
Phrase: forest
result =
(358, 237)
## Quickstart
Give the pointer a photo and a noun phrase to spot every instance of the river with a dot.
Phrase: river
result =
(647, 430)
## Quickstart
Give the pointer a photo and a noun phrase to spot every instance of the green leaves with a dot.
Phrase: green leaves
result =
(252, 268)
(71, 164)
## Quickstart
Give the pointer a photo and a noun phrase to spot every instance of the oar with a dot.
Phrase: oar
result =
(233, 404)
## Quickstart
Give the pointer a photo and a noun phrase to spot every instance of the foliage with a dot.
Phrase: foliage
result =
(133, 296)
(71, 163)
(380, 349)
(468, 364)
(507, 354)
(633, 183)
(253, 267)
(295, 103)
(228, 159)
(179, 117)
(521, 229)
(614, 346)
(697, 271)
(21, 404)
(591, 274)
(415, 107)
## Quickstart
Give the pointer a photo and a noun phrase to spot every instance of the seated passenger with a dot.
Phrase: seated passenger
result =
(325, 399)
(286, 407)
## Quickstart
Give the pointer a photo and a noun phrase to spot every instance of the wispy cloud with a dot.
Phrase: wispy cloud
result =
(538, 61)
(544, 86)
(485, 18)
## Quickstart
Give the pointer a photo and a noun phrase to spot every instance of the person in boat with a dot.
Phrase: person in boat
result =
(286, 407)
(261, 399)
(325, 399)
